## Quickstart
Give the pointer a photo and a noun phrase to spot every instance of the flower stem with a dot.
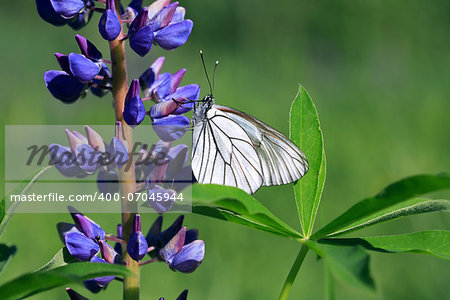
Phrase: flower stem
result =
(127, 176)
(293, 273)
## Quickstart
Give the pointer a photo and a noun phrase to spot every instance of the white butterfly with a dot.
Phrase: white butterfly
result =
(235, 149)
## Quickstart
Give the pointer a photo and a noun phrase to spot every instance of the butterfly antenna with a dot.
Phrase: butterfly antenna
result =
(214, 75)
(206, 72)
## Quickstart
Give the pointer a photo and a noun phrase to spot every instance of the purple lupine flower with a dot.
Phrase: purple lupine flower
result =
(166, 28)
(86, 155)
(79, 71)
(109, 25)
(171, 127)
(178, 247)
(137, 246)
(84, 241)
(134, 111)
(181, 256)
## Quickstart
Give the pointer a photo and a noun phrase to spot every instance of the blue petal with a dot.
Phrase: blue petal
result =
(189, 92)
(168, 87)
(108, 181)
(174, 35)
(67, 8)
(137, 246)
(47, 12)
(64, 160)
(190, 257)
(191, 235)
(63, 86)
(171, 128)
(154, 232)
(174, 246)
(83, 68)
(87, 48)
(88, 227)
(102, 281)
(80, 246)
(167, 201)
(87, 158)
(164, 16)
(141, 42)
(117, 153)
(92, 286)
(179, 14)
(109, 25)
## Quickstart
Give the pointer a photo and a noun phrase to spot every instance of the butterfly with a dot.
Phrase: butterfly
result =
(233, 148)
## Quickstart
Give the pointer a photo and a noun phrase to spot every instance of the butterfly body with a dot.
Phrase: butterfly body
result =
(233, 148)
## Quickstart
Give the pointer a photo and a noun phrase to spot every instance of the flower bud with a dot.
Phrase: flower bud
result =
(65, 161)
(137, 246)
(109, 25)
(134, 111)
(94, 139)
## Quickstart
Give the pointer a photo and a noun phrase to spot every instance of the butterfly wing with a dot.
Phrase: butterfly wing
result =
(281, 160)
(223, 153)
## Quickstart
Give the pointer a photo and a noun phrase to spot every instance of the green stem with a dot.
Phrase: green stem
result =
(293, 273)
(127, 177)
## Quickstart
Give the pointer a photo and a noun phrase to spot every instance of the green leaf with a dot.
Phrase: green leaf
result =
(433, 242)
(410, 207)
(234, 205)
(347, 263)
(393, 194)
(61, 258)
(32, 283)
(22, 188)
(6, 253)
(306, 133)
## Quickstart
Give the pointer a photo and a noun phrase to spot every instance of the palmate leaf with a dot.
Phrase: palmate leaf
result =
(234, 205)
(433, 242)
(21, 189)
(306, 133)
(395, 193)
(407, 208)
(349, 263)
(32, 283)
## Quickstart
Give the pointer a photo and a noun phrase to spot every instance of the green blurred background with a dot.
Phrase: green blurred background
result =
(378, 72)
